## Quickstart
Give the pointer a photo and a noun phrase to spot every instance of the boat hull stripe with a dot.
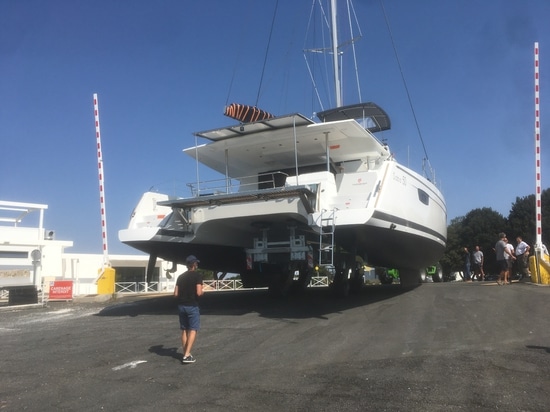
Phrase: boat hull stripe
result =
(407, 223)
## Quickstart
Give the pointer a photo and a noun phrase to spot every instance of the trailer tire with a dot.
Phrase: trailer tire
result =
(438, 275)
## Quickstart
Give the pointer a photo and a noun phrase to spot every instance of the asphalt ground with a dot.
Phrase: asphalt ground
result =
(438, 347)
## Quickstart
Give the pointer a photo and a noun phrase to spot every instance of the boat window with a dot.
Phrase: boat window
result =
(367, 123)
(307, 169)
(271, 180)
(423, 197)
(165, 221)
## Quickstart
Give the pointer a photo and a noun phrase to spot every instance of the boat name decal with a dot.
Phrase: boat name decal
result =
(400, 179)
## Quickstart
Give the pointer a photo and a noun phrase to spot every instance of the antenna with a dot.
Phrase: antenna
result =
(101, 184)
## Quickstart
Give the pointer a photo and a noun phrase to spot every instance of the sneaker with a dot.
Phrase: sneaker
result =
(188, 359)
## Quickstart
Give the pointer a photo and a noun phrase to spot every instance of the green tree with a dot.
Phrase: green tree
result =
(479, 227)
(522, 218)
(451, 261)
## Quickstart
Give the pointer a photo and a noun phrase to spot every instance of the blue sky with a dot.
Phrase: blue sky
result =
(165, 69)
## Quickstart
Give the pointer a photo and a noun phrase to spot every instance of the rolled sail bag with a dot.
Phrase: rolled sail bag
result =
(245, 113)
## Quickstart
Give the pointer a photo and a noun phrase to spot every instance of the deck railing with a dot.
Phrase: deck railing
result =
(242, 184)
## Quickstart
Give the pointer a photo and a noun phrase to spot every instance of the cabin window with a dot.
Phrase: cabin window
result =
(134, 274)
(423, 197)
(271, 180)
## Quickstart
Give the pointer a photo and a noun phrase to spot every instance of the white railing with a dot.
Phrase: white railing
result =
(241, 184)
(232, 284)
(209, 285)
(148, 287)
(135, 287)
(318, 281)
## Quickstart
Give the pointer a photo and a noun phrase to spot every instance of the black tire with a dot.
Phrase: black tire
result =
(340, 289)
(280, 285)
(356, 283)
(383, 276)
(438, 275)
(301, 284)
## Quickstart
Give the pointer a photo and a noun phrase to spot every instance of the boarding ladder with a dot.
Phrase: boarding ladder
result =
(326, 238)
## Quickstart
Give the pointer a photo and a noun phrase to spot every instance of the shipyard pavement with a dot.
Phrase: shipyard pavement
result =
(436, 347)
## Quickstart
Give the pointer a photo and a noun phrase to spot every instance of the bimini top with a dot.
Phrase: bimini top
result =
(272, 124)
(280, 143)
(370, 115)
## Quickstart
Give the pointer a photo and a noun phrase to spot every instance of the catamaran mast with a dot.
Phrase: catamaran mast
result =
(337, 90)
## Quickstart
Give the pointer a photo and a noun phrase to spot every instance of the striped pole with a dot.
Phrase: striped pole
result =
(537, 152)
(101, 184)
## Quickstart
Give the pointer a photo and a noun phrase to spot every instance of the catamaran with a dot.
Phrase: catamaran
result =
(297, 195)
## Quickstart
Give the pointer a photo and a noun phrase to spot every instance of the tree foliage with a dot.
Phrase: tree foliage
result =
(522, 218)
(481, 227)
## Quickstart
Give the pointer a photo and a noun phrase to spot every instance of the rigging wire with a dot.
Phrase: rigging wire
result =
(405, 85)
(326, 49)
(267, 51)
(323, 50)
(307, 50)
(231, 83)
(237, 61)
(352, 9)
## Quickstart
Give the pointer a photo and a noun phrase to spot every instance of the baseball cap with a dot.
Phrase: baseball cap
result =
(191, 259)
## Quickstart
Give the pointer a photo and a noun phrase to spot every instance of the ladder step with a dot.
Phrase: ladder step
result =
(326, 239)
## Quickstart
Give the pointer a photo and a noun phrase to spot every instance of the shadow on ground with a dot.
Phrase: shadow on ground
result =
(315, 302)
(162, 351)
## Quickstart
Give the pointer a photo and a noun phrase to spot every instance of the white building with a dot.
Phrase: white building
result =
(30, 255)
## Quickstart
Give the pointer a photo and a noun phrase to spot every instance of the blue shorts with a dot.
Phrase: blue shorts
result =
(190, 318)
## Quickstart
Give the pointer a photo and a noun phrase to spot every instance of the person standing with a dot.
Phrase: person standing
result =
(187, 291)
(522, 257)
(478, 264)
(501, 251)
(466, 260)
(509, 262)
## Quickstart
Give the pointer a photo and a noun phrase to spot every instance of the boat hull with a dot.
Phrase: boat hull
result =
(394, 229)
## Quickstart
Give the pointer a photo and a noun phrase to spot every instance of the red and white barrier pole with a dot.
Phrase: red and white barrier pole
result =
(101, 183)
(537, 152)
(538, 206)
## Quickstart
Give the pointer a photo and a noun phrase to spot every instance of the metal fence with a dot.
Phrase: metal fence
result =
(209, 285)
(135, 287)
(318, 281)
(231, 284)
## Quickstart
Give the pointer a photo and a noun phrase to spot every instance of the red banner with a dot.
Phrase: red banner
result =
(61, 290)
